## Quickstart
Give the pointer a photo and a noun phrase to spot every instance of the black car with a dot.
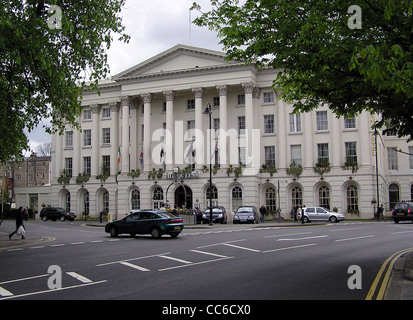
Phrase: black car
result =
(246, 214)
(155, 223)
(219, 214)
(55, 213)
(403, 211)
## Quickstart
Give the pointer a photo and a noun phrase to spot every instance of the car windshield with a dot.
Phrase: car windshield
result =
(402, 206)
(244, 210)
(214, 210)
(164, 214)
(61, 210)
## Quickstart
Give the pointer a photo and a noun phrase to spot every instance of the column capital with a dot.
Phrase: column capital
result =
(223, 90)
(95, 108)
(198, 92)
(125, 101)
(147, 97)
(114, 106)
(169, 95)
(249, 87)
(256, 92)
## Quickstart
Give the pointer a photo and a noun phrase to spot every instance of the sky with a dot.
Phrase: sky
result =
(154, 26)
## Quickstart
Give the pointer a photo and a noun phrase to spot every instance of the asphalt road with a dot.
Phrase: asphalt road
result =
(230, 263)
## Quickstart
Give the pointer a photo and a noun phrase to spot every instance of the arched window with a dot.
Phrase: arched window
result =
(297, 196)
(135, 199)
(270, 199)
(236, 197)
(157, 198)
(67, 201)
(105, 199)
(214, 196)
(86, 202)
(352, 198)
(324, 197)
(394, 195)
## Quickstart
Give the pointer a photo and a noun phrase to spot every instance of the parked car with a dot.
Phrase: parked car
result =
(155, 223)
(246, 214)
(55, 213)
(319, 214)
(403, 211)
(219, 214)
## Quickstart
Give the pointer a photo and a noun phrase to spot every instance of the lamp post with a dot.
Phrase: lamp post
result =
(208, 110)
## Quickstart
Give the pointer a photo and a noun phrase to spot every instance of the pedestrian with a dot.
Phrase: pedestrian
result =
(263, 212)
(175, 211)
(19, 224)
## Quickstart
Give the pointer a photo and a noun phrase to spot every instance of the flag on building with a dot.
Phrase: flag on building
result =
(118, 155)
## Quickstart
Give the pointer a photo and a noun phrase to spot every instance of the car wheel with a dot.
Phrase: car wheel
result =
(44, 218)
(132, 234)
(113, 232)
(333, 219)
(306, 220)
(156, 233)
(62, 218)
(397, 221)
(174, 235)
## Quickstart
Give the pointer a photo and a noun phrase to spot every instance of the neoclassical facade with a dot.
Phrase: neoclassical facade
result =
(145, 140)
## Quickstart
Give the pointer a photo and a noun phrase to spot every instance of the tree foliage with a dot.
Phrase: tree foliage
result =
(46, 63)
(320, 58)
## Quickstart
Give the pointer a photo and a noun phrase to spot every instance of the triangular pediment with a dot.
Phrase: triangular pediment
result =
(177, 59)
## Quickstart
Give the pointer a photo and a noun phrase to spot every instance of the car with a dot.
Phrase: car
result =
(219, 214)
(319, 214)
(153, 222)
(55, 213)
(247, 214)
(403, 211)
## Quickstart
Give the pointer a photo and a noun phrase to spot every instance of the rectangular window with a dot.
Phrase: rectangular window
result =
(68, 166)
(295, 122)
(87, 164)
(268, 97)
(216, 102)
(349, 123)
(69, 139)
(296, 154)
(269, 123)
(410, 157)
(87, 114)
(351, 153)
(392, 159)
(106, 164)
(105, 113)
(87, 137)
(106, 136)
(191, 129)
(242, 156)
(322, 121)
(241, 99)
(241, 125)
(190, 104)
(322, 153)
(269, 155)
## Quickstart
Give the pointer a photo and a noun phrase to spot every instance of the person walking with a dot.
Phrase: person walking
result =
(263, 211)
(19, 224)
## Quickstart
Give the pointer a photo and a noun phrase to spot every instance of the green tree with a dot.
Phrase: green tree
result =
(322, 57)
(50, 52)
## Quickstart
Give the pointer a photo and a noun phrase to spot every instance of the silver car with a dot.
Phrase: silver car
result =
(319, 214)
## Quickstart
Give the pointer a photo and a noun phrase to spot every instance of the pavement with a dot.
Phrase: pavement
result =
(400, 285)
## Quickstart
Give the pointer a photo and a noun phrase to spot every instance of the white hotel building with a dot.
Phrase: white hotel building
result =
(152, 116)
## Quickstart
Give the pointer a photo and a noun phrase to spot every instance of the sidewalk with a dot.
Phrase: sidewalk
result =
(401, 280)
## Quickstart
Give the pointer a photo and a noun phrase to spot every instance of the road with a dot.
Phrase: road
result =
(231, 263)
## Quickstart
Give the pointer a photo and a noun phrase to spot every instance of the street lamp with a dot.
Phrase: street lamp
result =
(208, 110)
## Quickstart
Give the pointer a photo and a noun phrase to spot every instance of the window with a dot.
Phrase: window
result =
(87, 114)
(269, 155)
(351, 153)
(350, 123)
(295, 122)
(324, 197)
(296, 154)
(410, 157)
(268, 97)
(297, 196)
(87, 163)
(157, 198)
(216, 102)
(105, 201)
(270, 199)
(352, 198)
(69, 139)
(190, 104)
(87, 137)
(242, 156)
(322, 153)
(135, 199)
(322, 121)
(392, 160)
(105, 113)
(241, 125)
(86, 202)
(216, 126)
(236, 197)
(191, 129)
(67, 201)
(394, 195)
(68, 166)
(241, 99)
(269, 123)
(106, 164)
(106, 136)
(214, 196)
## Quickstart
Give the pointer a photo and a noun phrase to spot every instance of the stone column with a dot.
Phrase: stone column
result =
(223, 123)
(114, 139)
(125, 102)
(249, 120)
(147, 100)
(96, 142)
(170, 129)
(365, 159)
(199, 134)
(281, 147)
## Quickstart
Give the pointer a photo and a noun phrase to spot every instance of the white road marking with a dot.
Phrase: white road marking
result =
(79, 277)
(134, 266)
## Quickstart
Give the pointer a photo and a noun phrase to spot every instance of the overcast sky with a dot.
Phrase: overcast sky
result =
(154, 26)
